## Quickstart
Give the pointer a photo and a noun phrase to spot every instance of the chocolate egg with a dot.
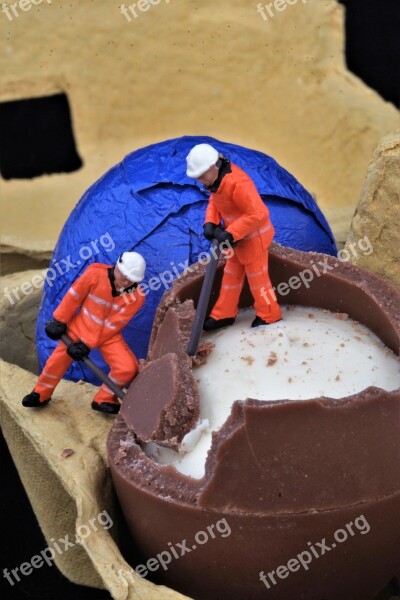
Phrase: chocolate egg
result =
(300, 499)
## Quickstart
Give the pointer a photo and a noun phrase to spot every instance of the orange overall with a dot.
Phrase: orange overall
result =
(98, 323)
(246, 218)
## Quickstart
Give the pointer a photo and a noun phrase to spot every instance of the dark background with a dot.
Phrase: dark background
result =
(373, 54)
(373, 44)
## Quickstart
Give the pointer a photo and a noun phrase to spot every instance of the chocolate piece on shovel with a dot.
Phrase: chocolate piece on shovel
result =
(162, 403)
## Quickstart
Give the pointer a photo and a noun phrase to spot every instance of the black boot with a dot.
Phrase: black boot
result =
(108, 408)
(259, 321)
(33, 400)
(210, 324)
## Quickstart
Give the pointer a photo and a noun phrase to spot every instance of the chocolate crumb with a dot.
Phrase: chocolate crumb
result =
(204, 350)
(248, 359)
(67, 452)
(341, 316)
(272, 359)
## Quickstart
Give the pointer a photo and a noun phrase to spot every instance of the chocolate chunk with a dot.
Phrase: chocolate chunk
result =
(162, 403)
(174, 331)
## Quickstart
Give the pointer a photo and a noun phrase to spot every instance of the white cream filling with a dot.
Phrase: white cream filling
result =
(310, 353)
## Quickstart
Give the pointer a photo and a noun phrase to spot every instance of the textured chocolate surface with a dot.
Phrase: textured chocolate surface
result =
(284, 453)
(281, 473)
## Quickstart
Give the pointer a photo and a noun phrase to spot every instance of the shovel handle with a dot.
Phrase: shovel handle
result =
(97, 371)
(204, 298)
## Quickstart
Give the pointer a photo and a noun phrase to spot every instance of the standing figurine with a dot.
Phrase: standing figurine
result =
(246, 226)
(106, 299)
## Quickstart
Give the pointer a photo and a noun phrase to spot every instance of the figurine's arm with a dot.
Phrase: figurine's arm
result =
(254, 212)
(74, 298)
(212, 214)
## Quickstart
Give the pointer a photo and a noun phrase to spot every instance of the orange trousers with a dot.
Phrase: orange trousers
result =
(123, 363)
(265, 302)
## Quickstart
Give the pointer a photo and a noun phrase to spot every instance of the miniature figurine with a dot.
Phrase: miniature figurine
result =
(246, 226)
(106, 298)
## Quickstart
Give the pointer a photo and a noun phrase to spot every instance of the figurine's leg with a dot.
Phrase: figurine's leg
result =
(123, 364)
(265, 302)
(55, 367)
(231, 286)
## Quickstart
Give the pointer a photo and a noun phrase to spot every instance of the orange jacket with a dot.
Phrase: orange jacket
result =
(245, 215)
(101, 316)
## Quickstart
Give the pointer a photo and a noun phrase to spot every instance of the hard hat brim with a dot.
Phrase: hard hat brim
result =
(198, 173)
(127, 274)
(195, 174)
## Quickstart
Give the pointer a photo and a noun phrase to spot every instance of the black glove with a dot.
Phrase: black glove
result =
(208, 230)
(223, 236)
(78, 350)
(55, 329)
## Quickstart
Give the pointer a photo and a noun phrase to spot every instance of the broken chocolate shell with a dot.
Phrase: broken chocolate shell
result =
(162, 403)
(173, 332)
(300, 499)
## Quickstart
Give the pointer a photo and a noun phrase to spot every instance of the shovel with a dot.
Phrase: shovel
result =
(97, 371)
(204, 298)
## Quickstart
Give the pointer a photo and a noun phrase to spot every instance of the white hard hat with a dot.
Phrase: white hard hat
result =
(200, 159)
(132, 265)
